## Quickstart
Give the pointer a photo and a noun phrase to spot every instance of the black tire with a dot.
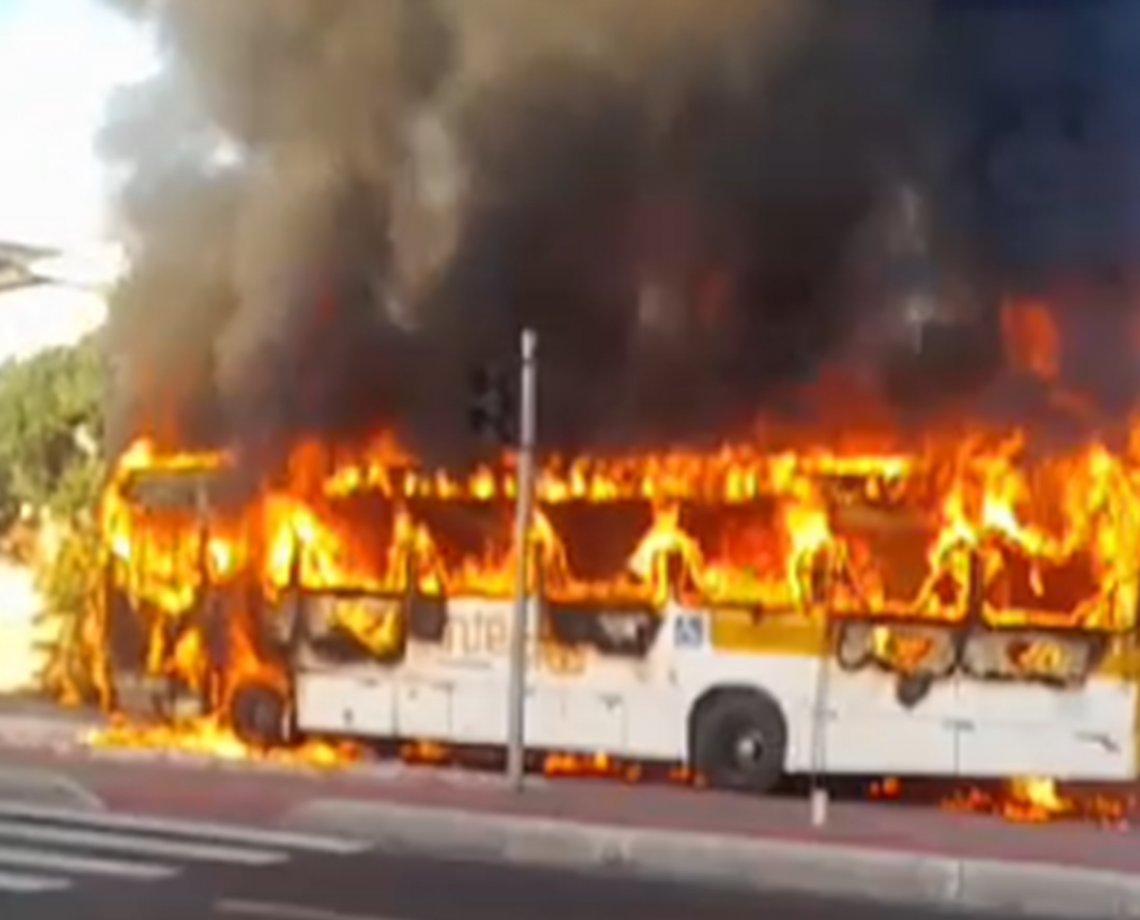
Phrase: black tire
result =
(260, 715)
(740, 741)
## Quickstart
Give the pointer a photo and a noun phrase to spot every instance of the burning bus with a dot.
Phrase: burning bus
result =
(746, 613)
(346, 228)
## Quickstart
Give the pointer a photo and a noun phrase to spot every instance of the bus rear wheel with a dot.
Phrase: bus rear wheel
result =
(260, 715)
(739, 742)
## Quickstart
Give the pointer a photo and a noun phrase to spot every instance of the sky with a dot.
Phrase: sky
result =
(59, 62)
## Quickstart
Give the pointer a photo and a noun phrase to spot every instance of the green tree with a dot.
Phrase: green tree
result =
(51, 431)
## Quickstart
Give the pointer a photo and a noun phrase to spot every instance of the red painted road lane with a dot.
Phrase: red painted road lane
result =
(265, 795)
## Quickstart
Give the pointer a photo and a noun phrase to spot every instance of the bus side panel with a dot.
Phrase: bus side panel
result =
(423, 707)
(479, 711)
(1087, 732)
(870, 731)
(351, 701)
(656, 723)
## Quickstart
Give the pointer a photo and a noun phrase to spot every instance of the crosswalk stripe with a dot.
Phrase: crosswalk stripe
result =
(133, 843)
(31, 884)
(32, 858)
(230, 833)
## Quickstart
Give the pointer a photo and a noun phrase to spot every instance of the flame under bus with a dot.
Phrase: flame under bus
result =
(681, 629)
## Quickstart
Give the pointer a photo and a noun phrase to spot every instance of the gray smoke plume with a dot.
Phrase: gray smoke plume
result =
(338, 208)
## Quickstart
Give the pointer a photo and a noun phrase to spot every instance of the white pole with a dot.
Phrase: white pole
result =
(516, 685)
(818, 793)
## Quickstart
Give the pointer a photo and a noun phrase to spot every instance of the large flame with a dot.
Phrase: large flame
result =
(779, 520)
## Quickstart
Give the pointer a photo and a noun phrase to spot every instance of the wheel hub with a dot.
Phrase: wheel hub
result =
(749, 748)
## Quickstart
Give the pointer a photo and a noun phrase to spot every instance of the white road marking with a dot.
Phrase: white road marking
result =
(277, 911)
(133, 843)
(230, 833)
(31, 858)
(31, 884)
(14, 780)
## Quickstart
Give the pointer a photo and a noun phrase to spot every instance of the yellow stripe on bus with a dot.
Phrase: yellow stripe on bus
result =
(744, 630)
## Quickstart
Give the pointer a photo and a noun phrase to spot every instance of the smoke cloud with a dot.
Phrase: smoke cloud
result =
(338, 209)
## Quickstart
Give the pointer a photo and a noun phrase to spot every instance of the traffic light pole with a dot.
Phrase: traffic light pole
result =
(524, 506)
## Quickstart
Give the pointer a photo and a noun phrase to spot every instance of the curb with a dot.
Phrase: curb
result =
(39, 787)
(1030, 889)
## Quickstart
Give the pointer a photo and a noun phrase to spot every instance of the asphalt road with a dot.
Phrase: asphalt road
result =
(398, 888)
(119, 867)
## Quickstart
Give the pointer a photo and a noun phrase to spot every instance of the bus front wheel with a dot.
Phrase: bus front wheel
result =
(260, 715)
(739, 741)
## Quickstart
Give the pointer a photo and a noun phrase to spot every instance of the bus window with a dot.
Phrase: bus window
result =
(746, 553)
(473, 540)
(600, 537)
(612, 628)
(342, 629)
(885, 567)
(178, 490)
(1053, 657)
(1020, 590)
(342, 544)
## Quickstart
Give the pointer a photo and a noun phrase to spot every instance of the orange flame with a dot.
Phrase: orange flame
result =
(1033, 344)
(992, 502)
(1033, 800)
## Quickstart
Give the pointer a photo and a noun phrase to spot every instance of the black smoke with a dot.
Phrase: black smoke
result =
(337, 208)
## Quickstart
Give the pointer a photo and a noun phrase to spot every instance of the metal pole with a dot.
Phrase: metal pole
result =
(818, 794)
(516, 686)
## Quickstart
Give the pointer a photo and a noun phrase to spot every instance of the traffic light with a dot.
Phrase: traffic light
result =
(492, 410)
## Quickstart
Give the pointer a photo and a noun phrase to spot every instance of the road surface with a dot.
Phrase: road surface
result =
(123, 867)
(263, 795)
(760, 844)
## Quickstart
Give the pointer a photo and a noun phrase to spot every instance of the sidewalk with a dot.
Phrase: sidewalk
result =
(883, 851)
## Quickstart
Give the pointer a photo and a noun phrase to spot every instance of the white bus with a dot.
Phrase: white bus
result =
(912, 669)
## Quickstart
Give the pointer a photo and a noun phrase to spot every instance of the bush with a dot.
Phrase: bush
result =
(68, 578)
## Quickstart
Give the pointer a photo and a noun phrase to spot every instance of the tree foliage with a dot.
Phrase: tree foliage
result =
(51, 432)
